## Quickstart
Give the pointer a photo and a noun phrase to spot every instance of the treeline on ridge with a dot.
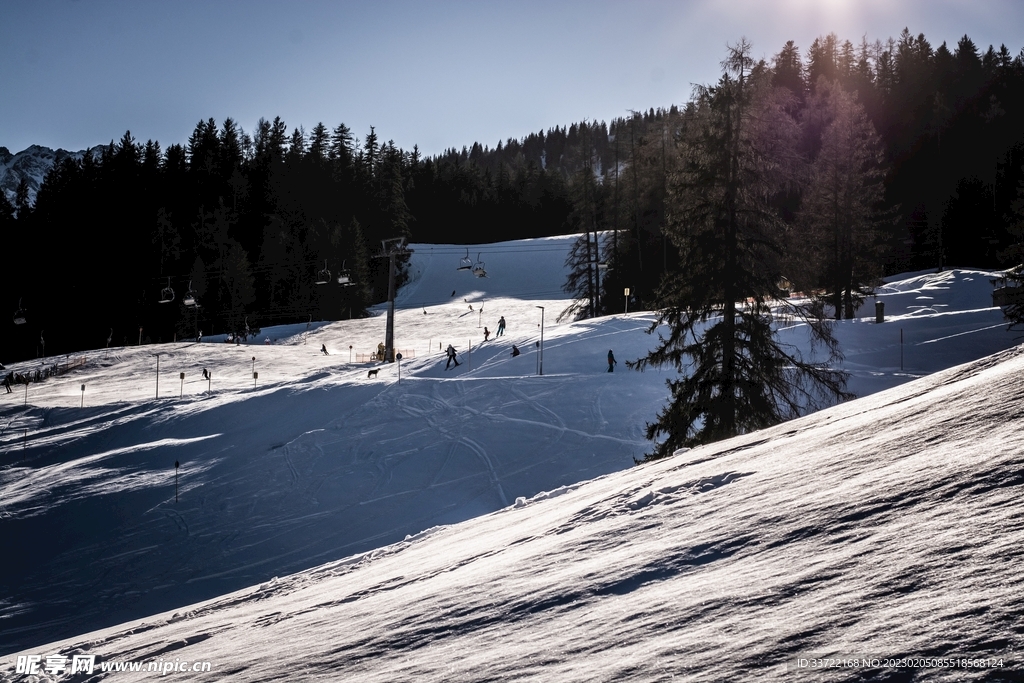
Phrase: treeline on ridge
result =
(250, 220)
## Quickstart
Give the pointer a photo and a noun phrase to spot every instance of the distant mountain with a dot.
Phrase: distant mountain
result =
(32, 164)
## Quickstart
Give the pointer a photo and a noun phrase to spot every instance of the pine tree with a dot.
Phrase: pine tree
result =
(341, 150)
(371, 152)
(720, 304)
(21, 203)
(582, 281)
(841, 205)
(318, 143)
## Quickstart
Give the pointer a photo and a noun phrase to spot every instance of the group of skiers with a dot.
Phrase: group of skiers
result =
(500, 332)
(451, 353)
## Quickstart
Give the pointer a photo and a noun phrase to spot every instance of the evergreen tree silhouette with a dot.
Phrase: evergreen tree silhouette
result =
(719, 302)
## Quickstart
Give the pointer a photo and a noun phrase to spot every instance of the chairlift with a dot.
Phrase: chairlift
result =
(190, 297)
(465, 263)
(324, 276)
(19, 315)
(478, 267)
(167, 294)
(345, 276)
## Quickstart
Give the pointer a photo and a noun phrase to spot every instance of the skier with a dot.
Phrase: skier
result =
(450, 352)
(515, 351)
(487, 333)
(323, 349)
(206, 374)
(611, 361)
(7, 381)
(501, 327)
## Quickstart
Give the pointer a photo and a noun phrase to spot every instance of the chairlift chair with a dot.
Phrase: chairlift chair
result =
(324, 276)
(190, 297)
(345, 276)
(465, 263)
(478, 268)
(19, 315)
(167, 294)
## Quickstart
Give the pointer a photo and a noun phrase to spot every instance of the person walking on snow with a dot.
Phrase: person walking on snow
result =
(487, 333)
(451, 357)
(611, 361)
(501, 327)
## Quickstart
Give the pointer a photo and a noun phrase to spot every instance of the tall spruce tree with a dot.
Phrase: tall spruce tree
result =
(582, 282)
(842, 202)
(721, 303)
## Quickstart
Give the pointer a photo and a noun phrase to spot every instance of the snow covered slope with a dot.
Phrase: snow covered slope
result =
(313, 461)
(887, 527)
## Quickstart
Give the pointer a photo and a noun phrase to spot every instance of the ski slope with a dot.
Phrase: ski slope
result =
(885, 528)
(313, 461)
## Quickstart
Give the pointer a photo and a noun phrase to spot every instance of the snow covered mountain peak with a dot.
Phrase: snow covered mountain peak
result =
(32, 164)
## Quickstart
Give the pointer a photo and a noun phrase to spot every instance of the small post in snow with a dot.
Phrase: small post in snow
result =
(176, 481)
(157, 374)
(181, 389)
(470, 354)
(398, 357)
(255, 376)
(540, 353)
(83, 397)
(350, 352)
(627, 299)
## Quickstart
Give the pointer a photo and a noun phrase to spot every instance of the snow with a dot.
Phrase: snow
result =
(486, 522)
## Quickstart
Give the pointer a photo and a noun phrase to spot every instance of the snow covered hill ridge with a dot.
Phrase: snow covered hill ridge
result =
(887, 528)
(32, 164)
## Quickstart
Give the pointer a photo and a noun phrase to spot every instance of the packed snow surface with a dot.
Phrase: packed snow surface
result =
(874, 526)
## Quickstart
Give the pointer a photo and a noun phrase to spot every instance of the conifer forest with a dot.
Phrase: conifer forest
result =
(824, 167)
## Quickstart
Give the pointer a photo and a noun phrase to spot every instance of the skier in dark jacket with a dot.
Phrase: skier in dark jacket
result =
(515, 351)
(611, 361)
(451, 357)
(501, 327)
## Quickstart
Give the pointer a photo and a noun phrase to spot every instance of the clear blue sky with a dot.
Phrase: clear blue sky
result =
(76, 73)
